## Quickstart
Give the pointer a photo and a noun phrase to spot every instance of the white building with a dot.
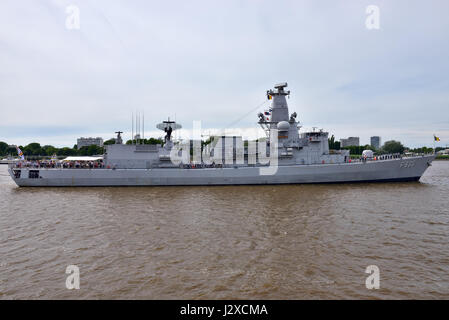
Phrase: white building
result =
(351, 141)
(83, 142)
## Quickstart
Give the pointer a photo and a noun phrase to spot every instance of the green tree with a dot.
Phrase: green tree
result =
(94, 150)
(146, 141)
(393, 146)
(358, 150)
(66, 152)
(12, 151)
(423, 150)
(83, 151)
(3, 148)
(49, 150)
(32, 149)
(110, 141)
(331, 142)
(90, 150)
(334, 145)
(154, 141)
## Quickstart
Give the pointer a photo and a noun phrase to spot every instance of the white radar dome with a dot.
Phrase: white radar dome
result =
(283, 126)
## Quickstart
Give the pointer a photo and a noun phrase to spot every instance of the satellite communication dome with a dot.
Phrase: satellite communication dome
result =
(283, 126)
(367, 153)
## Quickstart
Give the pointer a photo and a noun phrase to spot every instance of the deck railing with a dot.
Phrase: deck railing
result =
(394, 156)
(54, 165)
(93, 165)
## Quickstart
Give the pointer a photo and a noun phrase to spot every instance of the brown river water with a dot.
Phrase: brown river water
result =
(233, 242)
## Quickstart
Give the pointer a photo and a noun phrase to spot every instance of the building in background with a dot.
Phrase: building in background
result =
(351, 141)
(375, 142)
(85, 142)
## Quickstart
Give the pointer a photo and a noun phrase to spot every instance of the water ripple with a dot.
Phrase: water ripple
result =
(267, 242)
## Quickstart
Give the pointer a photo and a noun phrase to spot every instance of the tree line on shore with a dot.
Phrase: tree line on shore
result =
(35, 149)
(389, 147)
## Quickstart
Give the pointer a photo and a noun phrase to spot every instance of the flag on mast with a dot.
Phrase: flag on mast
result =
(20, 153)
(267, 114)
(436, 138)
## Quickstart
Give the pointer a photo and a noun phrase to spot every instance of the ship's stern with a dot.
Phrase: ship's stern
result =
(15, 173)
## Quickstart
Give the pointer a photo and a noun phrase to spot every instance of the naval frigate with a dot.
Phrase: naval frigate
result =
(286, 156)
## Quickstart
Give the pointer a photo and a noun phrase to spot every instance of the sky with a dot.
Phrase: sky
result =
(213, 61)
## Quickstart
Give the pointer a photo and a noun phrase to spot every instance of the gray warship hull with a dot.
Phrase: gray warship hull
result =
(401, 169)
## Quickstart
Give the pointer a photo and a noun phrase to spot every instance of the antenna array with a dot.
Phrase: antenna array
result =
(137, 122)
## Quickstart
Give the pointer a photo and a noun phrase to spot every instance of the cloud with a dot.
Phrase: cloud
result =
(213, 61)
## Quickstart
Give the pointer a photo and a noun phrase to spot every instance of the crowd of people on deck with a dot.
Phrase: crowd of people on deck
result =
(60, 164)
(382, 157)
(99, 163)
(389, 156)
(201, 165)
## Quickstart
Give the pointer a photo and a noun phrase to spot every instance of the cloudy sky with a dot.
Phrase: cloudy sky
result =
(214, 60)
